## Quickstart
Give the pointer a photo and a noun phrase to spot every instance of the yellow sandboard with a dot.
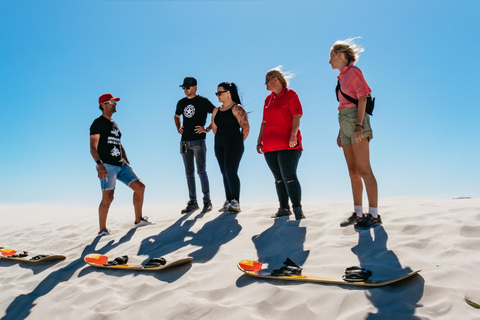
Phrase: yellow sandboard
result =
(254, 269)
(98, 260)
(8, 253)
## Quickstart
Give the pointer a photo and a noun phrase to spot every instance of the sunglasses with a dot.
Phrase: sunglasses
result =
(220, 92)
(111, 102)
(268, 80)
(186, 88)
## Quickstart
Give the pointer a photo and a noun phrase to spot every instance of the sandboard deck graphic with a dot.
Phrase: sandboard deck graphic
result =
(6, 253)
(254, 268)
(98, 260)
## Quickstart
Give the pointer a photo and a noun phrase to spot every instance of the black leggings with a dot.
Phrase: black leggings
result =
(229, 155)
(283, 165)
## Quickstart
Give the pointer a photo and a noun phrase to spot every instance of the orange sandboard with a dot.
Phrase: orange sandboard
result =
(8, 253)
(254, 269)
(98, 260)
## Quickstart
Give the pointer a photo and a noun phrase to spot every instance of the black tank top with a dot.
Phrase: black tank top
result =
(228, 128)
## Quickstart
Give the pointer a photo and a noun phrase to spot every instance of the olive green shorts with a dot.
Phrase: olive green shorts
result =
(347, 118)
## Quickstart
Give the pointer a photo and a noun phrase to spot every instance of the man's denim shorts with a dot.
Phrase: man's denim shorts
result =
(124, 174)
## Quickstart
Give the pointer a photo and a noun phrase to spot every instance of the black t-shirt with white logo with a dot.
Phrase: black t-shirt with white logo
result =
(109, 146)
(194, 112)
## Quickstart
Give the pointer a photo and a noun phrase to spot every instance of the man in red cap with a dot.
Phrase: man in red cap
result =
(112, 163)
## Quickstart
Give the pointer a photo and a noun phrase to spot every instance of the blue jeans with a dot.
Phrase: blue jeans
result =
(195, 151)
(283, 164)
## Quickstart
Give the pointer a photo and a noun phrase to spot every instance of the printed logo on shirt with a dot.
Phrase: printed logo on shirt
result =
(115, 152)
(189, 111)
(115, 132)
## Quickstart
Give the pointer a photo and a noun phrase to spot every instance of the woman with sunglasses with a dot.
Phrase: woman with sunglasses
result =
(281, 142)
(231, 128)
(355, 132)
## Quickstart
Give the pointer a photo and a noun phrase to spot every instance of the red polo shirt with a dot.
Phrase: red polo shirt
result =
(353, 84)
(278, 115)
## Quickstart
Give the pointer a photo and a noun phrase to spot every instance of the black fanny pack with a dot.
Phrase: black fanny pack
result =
(370, 100)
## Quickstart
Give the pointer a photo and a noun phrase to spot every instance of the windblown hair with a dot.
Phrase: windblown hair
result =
(349, 48)
(232, 87)
(284, 77)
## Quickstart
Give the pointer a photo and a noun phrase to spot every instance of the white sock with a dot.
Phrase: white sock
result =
(358, 211)
(373, 211)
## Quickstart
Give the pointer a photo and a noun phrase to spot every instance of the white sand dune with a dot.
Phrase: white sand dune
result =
(439, 236)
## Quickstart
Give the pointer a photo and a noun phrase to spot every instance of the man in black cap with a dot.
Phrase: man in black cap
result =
(112, 163)
(194, 109)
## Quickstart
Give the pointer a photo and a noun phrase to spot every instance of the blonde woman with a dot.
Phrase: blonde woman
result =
(280, 141)
(355, 132)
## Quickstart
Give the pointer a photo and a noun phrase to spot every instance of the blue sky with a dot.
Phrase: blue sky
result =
(58, 57)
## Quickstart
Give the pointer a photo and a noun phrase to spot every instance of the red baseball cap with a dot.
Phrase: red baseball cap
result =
(105, 97)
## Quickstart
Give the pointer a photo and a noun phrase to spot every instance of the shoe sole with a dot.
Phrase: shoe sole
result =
(369, 227)
(144, 225)
(185, 211)
(347, 224)
(280, 216)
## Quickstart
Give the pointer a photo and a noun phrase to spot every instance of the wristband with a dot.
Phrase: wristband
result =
(358, 125)
(259, 145)
(99, 162)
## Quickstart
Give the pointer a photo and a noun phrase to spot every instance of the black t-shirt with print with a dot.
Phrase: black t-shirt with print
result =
(109, 146)
(194, 112)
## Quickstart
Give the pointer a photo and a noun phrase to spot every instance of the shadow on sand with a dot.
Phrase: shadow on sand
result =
(209, 238)
(21, 305)
(398, 300)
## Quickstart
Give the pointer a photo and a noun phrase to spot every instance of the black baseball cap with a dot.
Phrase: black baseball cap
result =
(189, 82)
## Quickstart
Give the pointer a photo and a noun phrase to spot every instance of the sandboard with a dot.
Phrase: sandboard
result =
(8, 253)
(98, 260)
(472, 303)
(254, 268)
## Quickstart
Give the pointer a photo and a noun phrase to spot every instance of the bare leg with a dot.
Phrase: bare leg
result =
(107, 198)
(362, 157)
(355, 178)
(138, 192)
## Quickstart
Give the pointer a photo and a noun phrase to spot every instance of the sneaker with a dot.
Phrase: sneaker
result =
(225, 207)
(353, 219)
(207, 206)
(282, 212)
(105, 232)
(192, 205)
(143, 222)
(298, 213)
(368, 221)
(234, 206)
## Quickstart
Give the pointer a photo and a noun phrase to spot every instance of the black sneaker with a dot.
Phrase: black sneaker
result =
(298, 213)
(282, 212)
(353, 219)
(207, 206)
(191, 206)
(368, 222)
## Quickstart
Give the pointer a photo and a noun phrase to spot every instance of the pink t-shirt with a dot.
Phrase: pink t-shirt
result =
(353, 84)
(278, 115)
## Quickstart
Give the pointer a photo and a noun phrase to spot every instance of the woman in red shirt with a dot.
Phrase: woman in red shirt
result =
(281, 142)
(355, 132)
